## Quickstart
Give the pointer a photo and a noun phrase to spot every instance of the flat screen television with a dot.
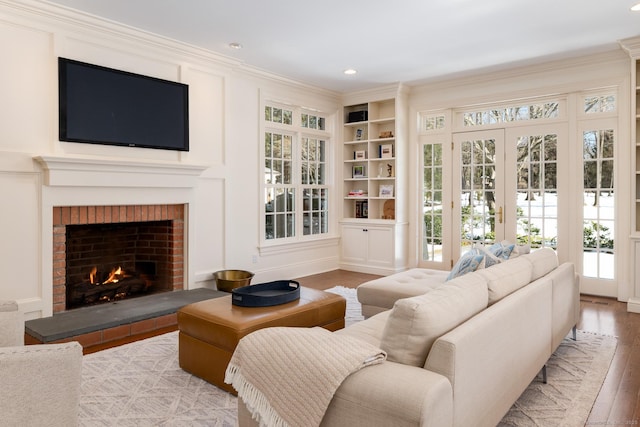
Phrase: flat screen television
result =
(102, 105)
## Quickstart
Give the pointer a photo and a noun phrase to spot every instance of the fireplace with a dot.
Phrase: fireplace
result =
(108, 253)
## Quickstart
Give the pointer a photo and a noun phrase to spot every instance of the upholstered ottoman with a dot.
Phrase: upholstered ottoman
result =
(380, 294)
(210, 330)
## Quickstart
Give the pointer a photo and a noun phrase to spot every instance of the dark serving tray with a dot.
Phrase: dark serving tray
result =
(266, 294)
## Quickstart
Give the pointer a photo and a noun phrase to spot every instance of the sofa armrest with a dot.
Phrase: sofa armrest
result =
(40, 384)
(11, 324)
(388, 394)
(566, 302)
(392, 394)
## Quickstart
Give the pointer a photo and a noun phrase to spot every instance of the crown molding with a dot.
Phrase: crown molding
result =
(632, 46)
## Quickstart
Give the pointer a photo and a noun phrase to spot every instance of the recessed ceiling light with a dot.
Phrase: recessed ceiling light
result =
(636, 7)
(235, 45)
(350, 71)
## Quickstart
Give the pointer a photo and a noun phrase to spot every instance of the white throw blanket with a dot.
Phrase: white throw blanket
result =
(287, 376)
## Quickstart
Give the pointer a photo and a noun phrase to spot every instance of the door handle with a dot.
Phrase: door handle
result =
(500, 215)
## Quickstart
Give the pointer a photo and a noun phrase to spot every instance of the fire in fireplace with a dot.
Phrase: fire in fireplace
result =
(110, 262)
(102, 287)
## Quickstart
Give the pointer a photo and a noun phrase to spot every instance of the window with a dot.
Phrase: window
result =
(296, 191)
(432, 202)
(513, 113)
(537, 190)
(598, 202)
(600, 104)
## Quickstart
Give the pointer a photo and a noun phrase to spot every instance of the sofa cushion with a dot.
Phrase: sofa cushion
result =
(469, 262)
(415, 323)
(506, 277)
(543, 260)
(385, 291)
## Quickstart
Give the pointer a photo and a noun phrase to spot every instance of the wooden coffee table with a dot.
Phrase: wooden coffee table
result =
(210, 330)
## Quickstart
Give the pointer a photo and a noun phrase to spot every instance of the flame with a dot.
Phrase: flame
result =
(115, 276)
(92, 275)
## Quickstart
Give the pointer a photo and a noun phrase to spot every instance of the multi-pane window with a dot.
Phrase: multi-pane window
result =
(545, 110)
(432, 203)
(278, 115)
(315, 215)
(537, 190)
(599, 203)
(433, 122)
(295, 177)
(312, 121)
(600, 104)
(477, 192)
(279, 190)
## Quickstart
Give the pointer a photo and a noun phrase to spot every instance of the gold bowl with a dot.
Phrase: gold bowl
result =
(226, 280)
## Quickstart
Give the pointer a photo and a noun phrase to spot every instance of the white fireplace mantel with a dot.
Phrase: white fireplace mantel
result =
(98, 172)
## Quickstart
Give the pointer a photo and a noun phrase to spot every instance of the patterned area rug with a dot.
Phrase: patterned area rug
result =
(575, 373)
(141, 384)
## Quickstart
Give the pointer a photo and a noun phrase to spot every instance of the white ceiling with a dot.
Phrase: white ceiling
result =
(410, 41)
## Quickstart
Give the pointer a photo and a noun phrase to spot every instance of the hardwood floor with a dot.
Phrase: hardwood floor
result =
(618, 403)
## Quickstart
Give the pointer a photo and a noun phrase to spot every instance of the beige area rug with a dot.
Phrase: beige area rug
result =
(575, 373)
(141, 384)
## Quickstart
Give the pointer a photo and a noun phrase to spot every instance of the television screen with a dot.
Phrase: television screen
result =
(105, 106)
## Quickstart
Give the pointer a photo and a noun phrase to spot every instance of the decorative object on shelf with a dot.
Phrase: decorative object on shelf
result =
(359, 134)
(357, 193)
(386, 190)
(386, 151)
(380, 170)
(389, 170)
(358, 171)
(386, 134)
(389, 209)
(358, 116)
(362, 209)
(360, 155)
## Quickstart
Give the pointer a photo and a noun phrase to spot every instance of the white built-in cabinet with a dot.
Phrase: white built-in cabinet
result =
(374, 182)
(632, 46)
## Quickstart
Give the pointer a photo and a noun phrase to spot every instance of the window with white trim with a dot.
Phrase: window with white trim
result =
(296, 163)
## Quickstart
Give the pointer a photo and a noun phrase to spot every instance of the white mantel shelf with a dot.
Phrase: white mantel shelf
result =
(97, 172)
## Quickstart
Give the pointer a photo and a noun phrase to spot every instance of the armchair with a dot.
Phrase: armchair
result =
(40, 383)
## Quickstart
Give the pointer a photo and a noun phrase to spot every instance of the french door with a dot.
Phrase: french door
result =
(529, 183)
(478, 186)
(506, 187)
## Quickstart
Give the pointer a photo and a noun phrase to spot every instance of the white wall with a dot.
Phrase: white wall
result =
(223, 212)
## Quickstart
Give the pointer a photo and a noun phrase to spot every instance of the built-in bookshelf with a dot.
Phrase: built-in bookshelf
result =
(369, 160)
(374, 178)
(632, 46)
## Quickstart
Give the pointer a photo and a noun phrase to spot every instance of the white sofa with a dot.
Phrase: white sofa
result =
(40, 383)
(461, 353)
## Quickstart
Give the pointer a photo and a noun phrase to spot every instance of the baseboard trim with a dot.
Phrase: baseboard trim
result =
(380, 271)
(633, 305)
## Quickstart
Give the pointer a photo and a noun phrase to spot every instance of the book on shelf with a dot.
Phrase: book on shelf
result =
(362, 209)
(385, 151)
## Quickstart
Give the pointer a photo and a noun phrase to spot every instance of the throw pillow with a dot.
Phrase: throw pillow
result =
(501, 250)
(518, 250)
(468, 262)
(489, 258)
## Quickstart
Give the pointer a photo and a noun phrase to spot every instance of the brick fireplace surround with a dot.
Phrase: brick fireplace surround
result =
(84, 215)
